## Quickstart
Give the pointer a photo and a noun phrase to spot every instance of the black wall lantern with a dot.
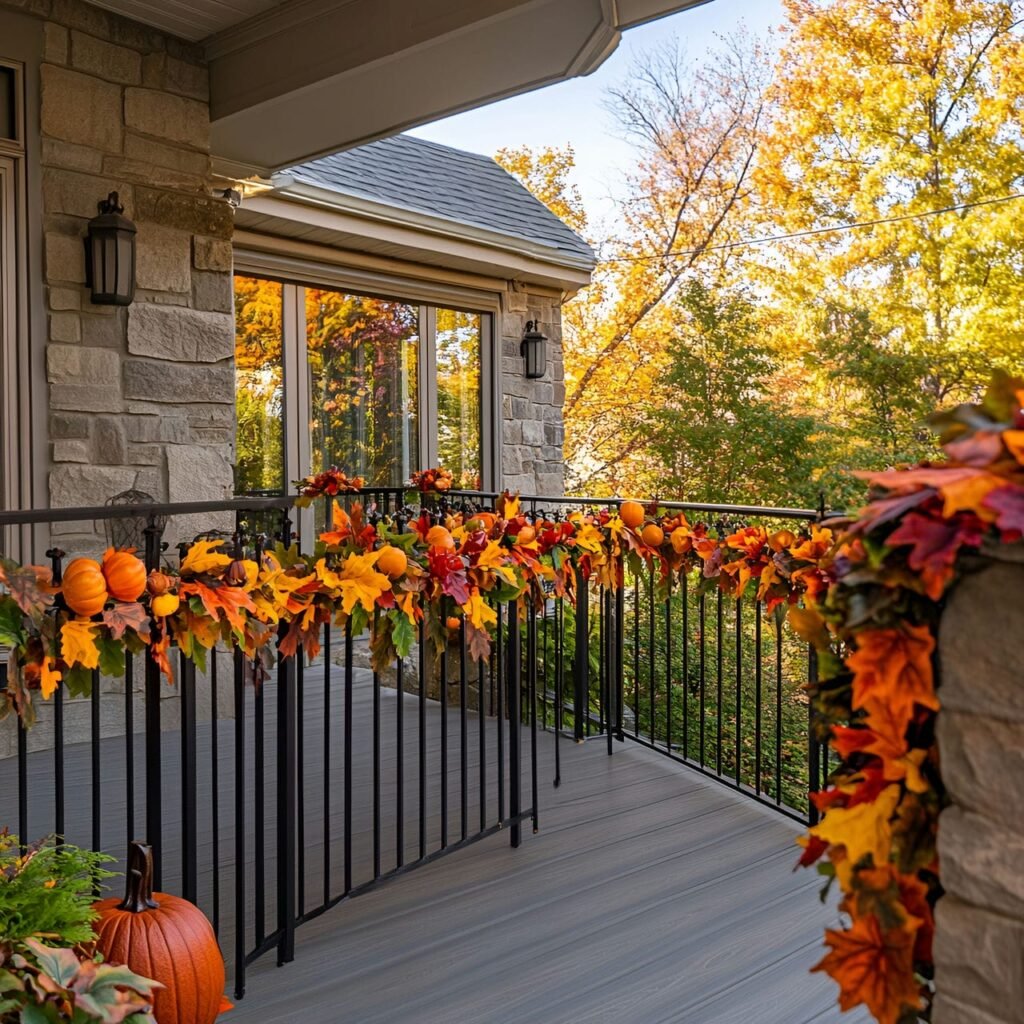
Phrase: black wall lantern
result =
(110, 255)
(534, 350)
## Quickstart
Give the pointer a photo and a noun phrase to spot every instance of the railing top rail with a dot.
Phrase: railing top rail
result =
(28, 517)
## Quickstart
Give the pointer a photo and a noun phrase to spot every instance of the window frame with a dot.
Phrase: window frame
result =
(296, 274)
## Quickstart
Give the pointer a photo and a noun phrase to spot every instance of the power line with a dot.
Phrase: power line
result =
(810, 232)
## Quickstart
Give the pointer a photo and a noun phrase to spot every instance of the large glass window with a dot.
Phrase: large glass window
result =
(379, 387)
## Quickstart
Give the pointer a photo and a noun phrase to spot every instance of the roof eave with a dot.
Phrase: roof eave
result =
(290, 186)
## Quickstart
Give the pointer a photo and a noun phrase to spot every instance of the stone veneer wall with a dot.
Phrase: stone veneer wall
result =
(532, 429)
(142, 396)
(979, 944)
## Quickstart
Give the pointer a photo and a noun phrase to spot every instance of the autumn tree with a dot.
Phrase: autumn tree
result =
(883, 112)
(696, 128)
(547, 174)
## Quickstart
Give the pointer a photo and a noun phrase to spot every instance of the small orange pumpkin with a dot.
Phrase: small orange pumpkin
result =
(653, 535)
(84, 587)
(439, 537)
(392, 561)
(167, 939)
(125, 575)
(631, 513)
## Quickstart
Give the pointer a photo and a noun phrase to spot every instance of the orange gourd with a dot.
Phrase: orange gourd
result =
(631, 513)
(653, 535)
(164, 604)
(84, 587)
(167, 939)
(439, 537)
(125, 575)
(392, 561)
(526, 535)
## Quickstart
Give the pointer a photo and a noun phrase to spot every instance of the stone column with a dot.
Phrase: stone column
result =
(979, 944)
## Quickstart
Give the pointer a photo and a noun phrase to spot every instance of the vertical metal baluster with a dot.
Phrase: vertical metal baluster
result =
(757, 698)
(685, 587)
(348, 759)
(739, 692)
(581, 661)
(531, 704)
(399, 765)
(327, 764)
(620, 644)
(544, 667)
(22, 771)
(515, 766)
(56, 555)
(463, 733)
(423, 739)
(154, 755)
(636, 655)
(481, 715)
(720, 668)
(602, 661)
(702, 605)
(651, 673)
(778, 711)
(240, 865)
(376, 768)
(668, 666)
(129, 747)
(814, 748)
(298, 675)
(260, 813)
(95, 728)
(290, 809)
(559, 681)
(215, 790)
(444, 734)
(499, 718)
(609, 664)
(189, 796)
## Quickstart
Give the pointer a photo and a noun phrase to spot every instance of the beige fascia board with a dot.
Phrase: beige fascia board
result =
(315, 254)
(511, 259)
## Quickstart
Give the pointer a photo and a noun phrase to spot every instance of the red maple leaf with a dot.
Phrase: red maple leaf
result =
(1008, 501)
(935, 544)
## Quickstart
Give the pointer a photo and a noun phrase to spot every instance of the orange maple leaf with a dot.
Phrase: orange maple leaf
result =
(221, 603)
(873, 967)
(894, 666)
(49, 677)
(78, 643)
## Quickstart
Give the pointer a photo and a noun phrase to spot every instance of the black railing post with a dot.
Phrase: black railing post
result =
(620, 642)
(286, 790)
(154, 766)
(581, 659)
(515, 766)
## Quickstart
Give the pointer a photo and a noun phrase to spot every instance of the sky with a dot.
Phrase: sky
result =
(574, 112)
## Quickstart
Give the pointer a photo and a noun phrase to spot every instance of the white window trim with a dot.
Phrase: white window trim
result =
(428, 294)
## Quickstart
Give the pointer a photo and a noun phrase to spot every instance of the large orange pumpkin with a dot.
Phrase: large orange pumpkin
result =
(167, 939)
(84, 587)
(125, 575)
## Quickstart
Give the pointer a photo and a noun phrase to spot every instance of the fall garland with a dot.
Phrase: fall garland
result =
(875, 632)
(869, 601)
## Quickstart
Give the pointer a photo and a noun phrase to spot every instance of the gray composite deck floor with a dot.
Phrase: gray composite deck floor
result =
(650, 894)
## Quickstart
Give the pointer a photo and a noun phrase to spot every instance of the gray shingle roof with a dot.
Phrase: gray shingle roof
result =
(426, 177)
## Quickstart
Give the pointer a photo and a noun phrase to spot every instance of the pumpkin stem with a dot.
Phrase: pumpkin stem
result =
(138, 895)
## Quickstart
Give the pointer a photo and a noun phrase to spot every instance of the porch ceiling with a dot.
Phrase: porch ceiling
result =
(295, 80)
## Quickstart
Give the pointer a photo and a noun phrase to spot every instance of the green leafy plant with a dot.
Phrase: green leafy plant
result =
(47, 892)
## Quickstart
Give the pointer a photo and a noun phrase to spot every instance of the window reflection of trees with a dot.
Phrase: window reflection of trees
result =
(363, 366)
(259, 376)
(458, 356)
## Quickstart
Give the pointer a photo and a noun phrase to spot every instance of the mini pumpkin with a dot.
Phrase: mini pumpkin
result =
(125, 575)
(392, 561)
(631, 513)
(167, 939)
(84, 587)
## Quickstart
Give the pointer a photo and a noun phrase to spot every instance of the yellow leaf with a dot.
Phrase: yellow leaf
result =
(495, 557)
(203, 556)
(862, 829)
(360, 583)
(49, 677)
(479, 612)
(78, 643)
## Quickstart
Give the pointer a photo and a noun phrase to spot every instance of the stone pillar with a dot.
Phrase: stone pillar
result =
(532, 430)
(142, 396)
(979, 943)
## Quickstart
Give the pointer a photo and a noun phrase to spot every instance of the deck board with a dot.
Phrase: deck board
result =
(651, 894)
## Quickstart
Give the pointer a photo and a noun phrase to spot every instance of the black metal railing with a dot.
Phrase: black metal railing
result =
(269, 803)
